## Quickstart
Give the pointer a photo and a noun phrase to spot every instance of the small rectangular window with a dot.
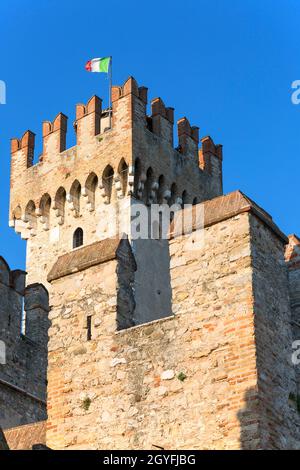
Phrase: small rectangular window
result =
(23, 318)
(89, 327)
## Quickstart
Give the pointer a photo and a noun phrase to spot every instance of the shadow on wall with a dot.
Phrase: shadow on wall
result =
(249, 421)
(144, 286)
(3, 443)
(152, 284)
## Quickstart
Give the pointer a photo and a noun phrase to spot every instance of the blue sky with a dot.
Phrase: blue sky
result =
(227, 65)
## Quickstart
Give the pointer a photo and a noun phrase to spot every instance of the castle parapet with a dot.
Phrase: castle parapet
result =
(208, 152)
(12, 285)
(22, 151)
(211, 157)
(36, 302)
(18, 280)
(162, 120)
(16, 299)
(135, 98)
(54, 136)
(88, 119)
(188, 137)
(23, 359)
(133, 155)
(130, 87)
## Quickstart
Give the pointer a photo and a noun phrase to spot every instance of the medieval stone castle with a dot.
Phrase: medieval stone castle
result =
(143, 344)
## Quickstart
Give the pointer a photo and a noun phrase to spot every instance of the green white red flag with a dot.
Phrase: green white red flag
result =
(98, 65)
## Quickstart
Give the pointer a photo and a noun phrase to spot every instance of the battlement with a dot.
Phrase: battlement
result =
(54, 136)
(89, 118)
(98, 146)
(30, 302)
(25, 149)
(129, 87)
(120, 153)
(24, 335)
(12, 279)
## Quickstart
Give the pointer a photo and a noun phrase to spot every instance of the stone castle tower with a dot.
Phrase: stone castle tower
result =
(151, 343)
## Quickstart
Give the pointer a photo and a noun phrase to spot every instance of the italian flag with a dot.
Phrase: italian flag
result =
(98, 65)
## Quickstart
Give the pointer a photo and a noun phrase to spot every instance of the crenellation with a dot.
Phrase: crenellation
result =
(54, 137)
(88, 120)
(162, 120)
(188, 137)
(4, 272)
(26, 146)
(36, 305)
(134, 99)
(210, 159)
(22, 154)
(24, 367)
(143, 94)
(171, 342)
(18, 280)
(207, 152)
(128, 140)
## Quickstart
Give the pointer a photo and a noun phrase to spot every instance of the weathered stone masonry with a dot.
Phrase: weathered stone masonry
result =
(23, 369)
(107, 169)
(231, 396)
(152, 343)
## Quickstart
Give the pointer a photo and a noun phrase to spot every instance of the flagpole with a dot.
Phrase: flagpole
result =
(109, 92)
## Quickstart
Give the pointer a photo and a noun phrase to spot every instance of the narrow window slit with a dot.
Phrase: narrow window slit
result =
(89, 327)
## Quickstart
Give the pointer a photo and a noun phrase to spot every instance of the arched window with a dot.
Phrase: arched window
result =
(147, 193)
(160, 191)
(137, 175)
(59, 204)
(30, 216)
(123, 173)
(173, 194)
(17, 213)
(45, 204)
(90, 187)
(75, 193)
(172, 201)
(184, 198)
(78, 237)
(107, 182)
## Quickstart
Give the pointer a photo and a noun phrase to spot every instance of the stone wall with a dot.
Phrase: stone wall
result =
(214, 369)
(196, 379)
(292, 256)
(73, 360)
(164, 383)
(23, 364)
(212, 294)
(279, 417)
